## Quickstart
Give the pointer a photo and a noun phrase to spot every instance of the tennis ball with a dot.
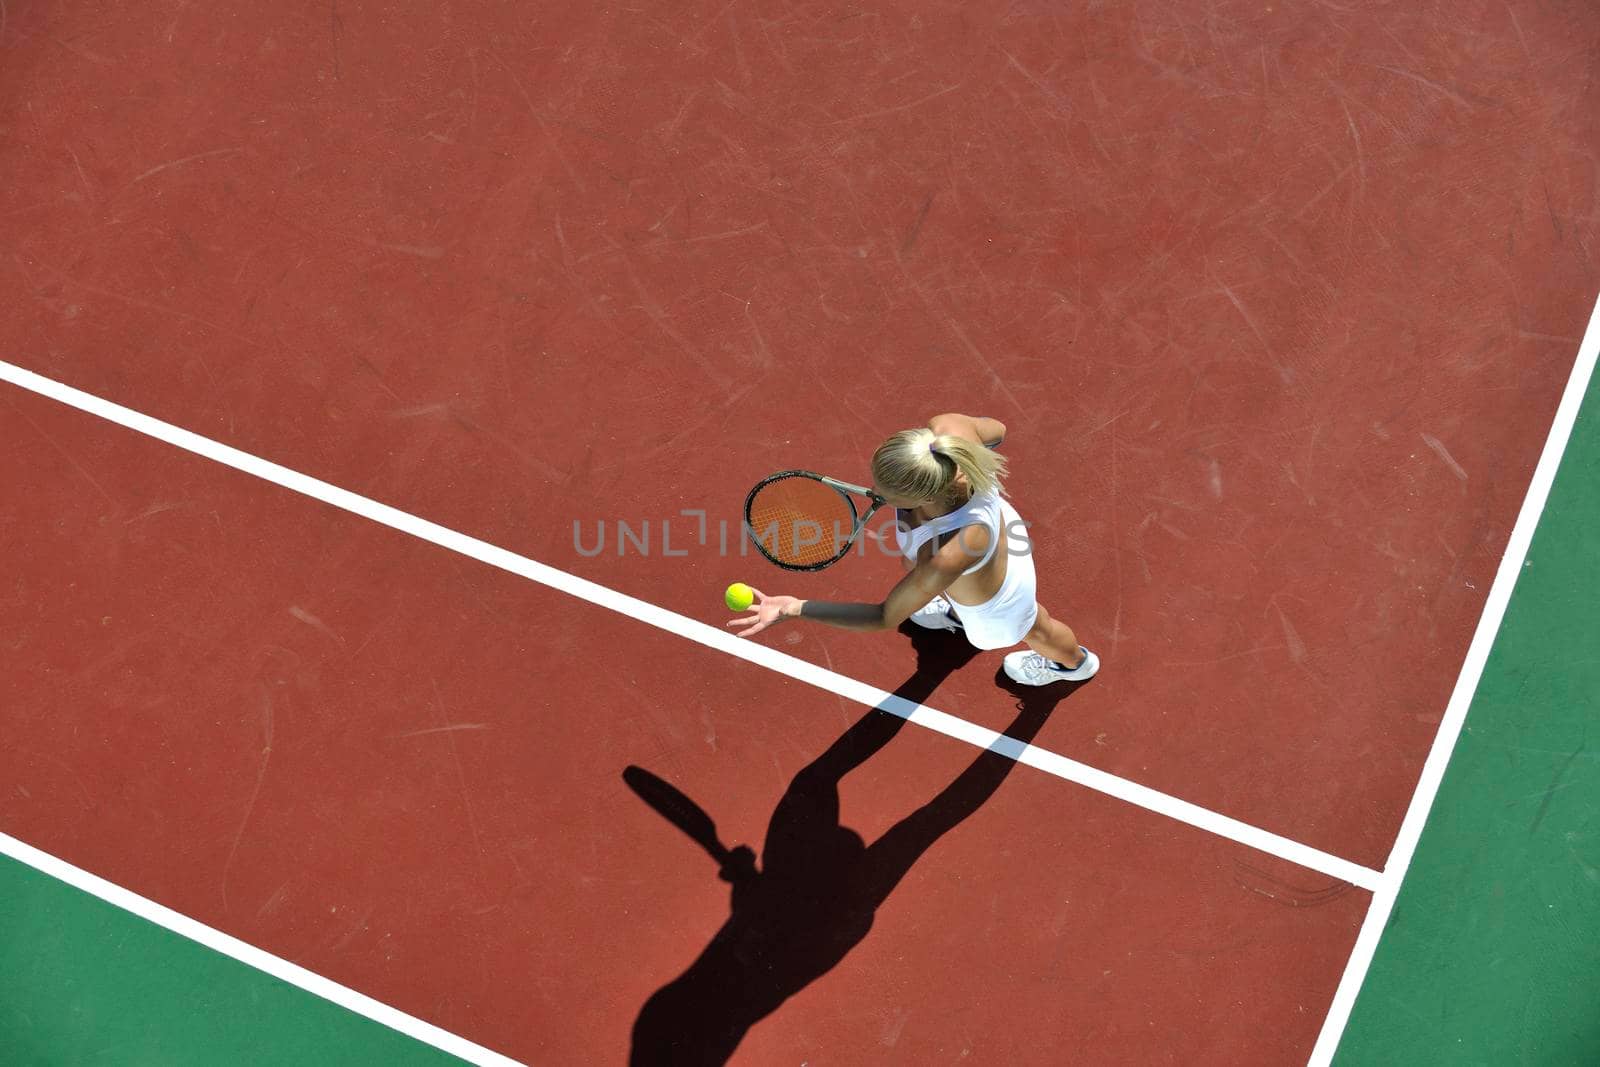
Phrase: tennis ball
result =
(739, 596)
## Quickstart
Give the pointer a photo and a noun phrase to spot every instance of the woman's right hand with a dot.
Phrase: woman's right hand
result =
(765, 612)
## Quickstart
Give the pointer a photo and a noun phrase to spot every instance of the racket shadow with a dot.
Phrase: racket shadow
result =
(819, 884)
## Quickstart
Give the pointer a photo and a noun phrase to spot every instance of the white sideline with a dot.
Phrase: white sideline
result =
(1455, 716)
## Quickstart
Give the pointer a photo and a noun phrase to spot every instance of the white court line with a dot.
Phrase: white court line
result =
(1455, 716)
(690, 629)
(279, 968)
(699, 632)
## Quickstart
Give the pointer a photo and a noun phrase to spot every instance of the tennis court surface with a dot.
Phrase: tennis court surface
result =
(381, 387)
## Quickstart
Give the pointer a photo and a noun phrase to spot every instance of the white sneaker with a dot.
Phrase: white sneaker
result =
(937, 614)
(1030, 668)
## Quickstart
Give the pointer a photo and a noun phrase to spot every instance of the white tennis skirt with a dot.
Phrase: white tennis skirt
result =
(1005, 618)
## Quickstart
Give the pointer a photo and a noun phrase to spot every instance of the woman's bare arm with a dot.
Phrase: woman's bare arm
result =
(985, 431)
(931, 576)
(926, 580)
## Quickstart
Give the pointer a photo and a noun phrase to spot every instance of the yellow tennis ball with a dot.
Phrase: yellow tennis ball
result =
(739, 596)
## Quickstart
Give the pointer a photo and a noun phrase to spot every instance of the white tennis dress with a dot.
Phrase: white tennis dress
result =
(1003, 619)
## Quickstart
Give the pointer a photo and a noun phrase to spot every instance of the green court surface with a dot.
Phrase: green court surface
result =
(84, 982)
(1491, 955)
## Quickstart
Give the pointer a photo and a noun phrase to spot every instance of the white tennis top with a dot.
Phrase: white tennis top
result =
(982, 510)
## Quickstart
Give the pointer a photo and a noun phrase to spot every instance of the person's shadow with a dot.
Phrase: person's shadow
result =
(819, 885)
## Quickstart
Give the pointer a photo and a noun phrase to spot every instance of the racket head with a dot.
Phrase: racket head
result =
(801, 522)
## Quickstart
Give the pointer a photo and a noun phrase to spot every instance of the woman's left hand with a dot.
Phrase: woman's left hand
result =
(766, 611)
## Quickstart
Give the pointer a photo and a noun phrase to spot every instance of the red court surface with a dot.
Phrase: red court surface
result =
(401, 770)
(1276, 303)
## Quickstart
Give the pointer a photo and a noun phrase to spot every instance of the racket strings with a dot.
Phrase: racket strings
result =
(800, 521)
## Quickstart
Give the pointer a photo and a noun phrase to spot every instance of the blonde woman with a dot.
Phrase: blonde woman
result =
(967, 552)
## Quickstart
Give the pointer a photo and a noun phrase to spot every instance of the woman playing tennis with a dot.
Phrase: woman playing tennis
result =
(967, 552)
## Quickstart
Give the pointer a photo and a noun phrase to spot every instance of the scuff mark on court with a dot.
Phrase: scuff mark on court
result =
(312, 621)
(1544, 805)
(446, 729)
(1444, 454)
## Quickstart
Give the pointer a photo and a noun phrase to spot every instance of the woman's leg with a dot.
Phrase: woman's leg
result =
(1054, 640)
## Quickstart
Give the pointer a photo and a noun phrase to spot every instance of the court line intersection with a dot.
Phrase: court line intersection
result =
(1384, 886)
(1455, 716)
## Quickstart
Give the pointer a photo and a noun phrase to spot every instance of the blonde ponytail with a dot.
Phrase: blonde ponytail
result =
(983, 467)
(922, 465)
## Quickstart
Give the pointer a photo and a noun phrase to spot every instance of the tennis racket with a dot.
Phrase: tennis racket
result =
(804, 521)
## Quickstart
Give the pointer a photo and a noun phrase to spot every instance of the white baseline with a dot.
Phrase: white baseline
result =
(279, 968)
